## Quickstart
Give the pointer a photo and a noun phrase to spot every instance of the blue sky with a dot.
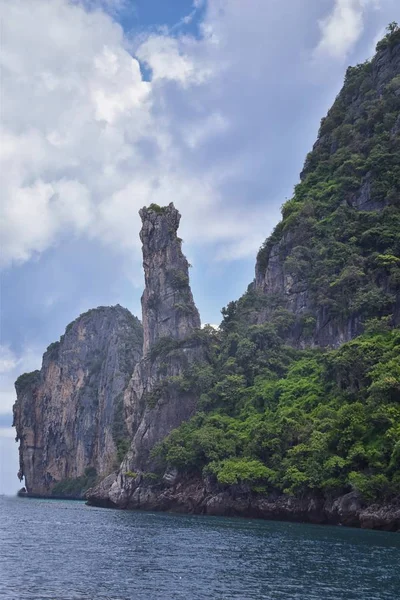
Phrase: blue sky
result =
(108, 105)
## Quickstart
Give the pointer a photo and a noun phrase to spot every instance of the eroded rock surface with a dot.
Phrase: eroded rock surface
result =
(199, 496)
(69, 415)
(347, 178)
(154, 403)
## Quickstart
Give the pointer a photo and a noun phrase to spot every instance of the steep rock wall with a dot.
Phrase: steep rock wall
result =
(204, 497)
(154, 404)
(326, 261)
(68, 415)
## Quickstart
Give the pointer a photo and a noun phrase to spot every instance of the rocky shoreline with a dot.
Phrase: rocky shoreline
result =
(196, 496)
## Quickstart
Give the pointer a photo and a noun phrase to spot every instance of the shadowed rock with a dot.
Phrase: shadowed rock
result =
(67, 414)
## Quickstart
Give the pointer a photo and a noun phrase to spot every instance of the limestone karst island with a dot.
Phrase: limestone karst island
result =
(290, 410)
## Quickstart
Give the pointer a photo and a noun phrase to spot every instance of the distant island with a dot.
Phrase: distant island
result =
(291, 408)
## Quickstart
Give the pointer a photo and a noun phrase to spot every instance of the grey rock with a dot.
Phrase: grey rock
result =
(362, 200)
(197, 496)
(154, 405)
(168, 308)
(272, 278)
(64, 413)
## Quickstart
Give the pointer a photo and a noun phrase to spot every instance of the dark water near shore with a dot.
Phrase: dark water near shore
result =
(61, 550)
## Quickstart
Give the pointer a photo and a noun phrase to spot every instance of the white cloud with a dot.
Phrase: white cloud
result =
(196, 133)
(87, 141)
(11, 366)
(342, 28)
(7, 432)
(76, 116)
(8, 360)
(166, 59)
(9, 483)
(74, 104)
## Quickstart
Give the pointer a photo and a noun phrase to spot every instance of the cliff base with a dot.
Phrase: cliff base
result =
(196, 496)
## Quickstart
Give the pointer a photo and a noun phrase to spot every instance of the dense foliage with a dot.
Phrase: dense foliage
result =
(26, 381)
(340, 233)
(294, 421)
(75, 487)
(282, 419)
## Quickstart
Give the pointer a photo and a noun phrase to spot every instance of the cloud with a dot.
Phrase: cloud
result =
(7, 432)
(12, 365)
(9, 483)
(164, 57)
(87, 139)
(83, 145)
(342, 28)
(8, 360)
(69, 120)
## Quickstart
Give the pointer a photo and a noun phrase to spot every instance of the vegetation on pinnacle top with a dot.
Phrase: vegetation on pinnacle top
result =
(157, 209)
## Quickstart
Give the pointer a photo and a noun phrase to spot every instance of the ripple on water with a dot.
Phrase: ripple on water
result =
(58, 550)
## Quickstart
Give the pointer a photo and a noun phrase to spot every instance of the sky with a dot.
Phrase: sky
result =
(110, 105)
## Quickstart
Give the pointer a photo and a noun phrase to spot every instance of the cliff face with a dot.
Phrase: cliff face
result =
(286, 430)
(168, 309)
(195, 495)
(328, 261)
(154, 403)
(68, 415)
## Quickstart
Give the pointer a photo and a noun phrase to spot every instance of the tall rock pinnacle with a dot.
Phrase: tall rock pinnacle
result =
(155, 403)
(170, 317)
(167, 303)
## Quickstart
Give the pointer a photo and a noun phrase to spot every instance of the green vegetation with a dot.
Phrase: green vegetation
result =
(391, 38)
(119, 431)
(130, 474)
(340, 233)
(26, 381)
(294, 421)
(177, 279)
(279, 419)
(151, 398)
(157, 209)
(163, 347)
(75, 488)
(186, 308)
(52, 350)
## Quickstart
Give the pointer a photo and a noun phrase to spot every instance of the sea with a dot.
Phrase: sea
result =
(65, 550)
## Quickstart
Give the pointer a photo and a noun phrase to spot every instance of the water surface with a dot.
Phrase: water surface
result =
(56, 550)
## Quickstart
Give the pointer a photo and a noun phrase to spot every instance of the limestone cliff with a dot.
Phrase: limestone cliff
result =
(281, 433)
(168, 309)
(284, 433)
(68, 416)
(154, 403)
(202, 496)
(333, 260)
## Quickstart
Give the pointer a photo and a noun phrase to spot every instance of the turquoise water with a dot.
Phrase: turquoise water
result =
(67, 551)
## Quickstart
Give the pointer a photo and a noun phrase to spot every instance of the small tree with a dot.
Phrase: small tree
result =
(392, 28)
